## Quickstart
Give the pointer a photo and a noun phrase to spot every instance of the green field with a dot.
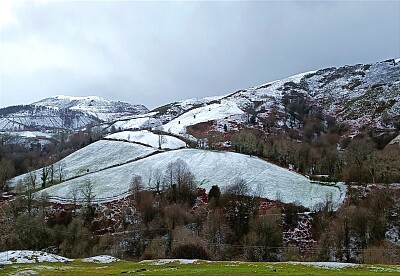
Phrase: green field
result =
(78, 267)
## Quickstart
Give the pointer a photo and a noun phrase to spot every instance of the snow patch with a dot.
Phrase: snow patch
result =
(29, 257)
(395, 140)
(168, 261)
(101, 259)
(328, 265)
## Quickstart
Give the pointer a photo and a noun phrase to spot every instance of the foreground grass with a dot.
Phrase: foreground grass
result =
(78, 267)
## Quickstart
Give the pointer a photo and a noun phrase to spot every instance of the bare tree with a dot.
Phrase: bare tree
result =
(136, 185)
(32, 179)
(161, 140)
(61, 173)
(45, 174)
(239, 188)
(157, 183)
(87, 192)
(180, 180)
(51, 171)
(28, 188)
(360, 162)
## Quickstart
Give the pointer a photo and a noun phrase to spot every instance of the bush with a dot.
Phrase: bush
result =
(190, 251)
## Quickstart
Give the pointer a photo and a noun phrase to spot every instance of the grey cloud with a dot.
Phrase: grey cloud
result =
(159, 52)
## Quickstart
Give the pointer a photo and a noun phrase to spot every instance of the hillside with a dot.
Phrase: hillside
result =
(92, 158)
(148, 138)
(264, 179)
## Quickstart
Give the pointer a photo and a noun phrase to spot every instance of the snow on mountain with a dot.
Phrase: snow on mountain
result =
(98, 107)
(149, 138)
(30, 257)
(136, 122)
(206, 113)
(268, 93)
(64, 112)
(362, 95)
(94, 157)
(210, 168)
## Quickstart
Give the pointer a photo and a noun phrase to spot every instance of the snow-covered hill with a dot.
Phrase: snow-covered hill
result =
(64, 112)
(92, 158)
(210, 168)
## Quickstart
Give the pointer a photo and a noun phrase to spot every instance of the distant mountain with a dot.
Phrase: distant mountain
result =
(64, 112)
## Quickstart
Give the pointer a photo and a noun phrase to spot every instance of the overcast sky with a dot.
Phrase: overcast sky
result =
(154, 53)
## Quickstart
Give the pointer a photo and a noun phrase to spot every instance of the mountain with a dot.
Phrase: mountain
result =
(66, 113)
(362, 96)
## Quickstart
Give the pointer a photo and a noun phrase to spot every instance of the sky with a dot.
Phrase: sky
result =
(154, 53)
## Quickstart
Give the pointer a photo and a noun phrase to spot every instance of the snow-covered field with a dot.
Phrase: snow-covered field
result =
(30, 134)
(28, 257)
(148, 138)
(202, 114)
(136, 123)
(210, 168)
(94, 157)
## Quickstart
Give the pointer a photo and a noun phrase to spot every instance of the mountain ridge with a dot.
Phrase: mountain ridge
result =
(363, 96)
(65, 113)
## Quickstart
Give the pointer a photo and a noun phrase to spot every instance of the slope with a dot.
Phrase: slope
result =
(148, 138)
(210, 168)
(94, 157)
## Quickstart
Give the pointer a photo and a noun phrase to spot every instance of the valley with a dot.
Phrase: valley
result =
(312, 160)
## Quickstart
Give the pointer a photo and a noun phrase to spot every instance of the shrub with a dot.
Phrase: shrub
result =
(190, 251)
